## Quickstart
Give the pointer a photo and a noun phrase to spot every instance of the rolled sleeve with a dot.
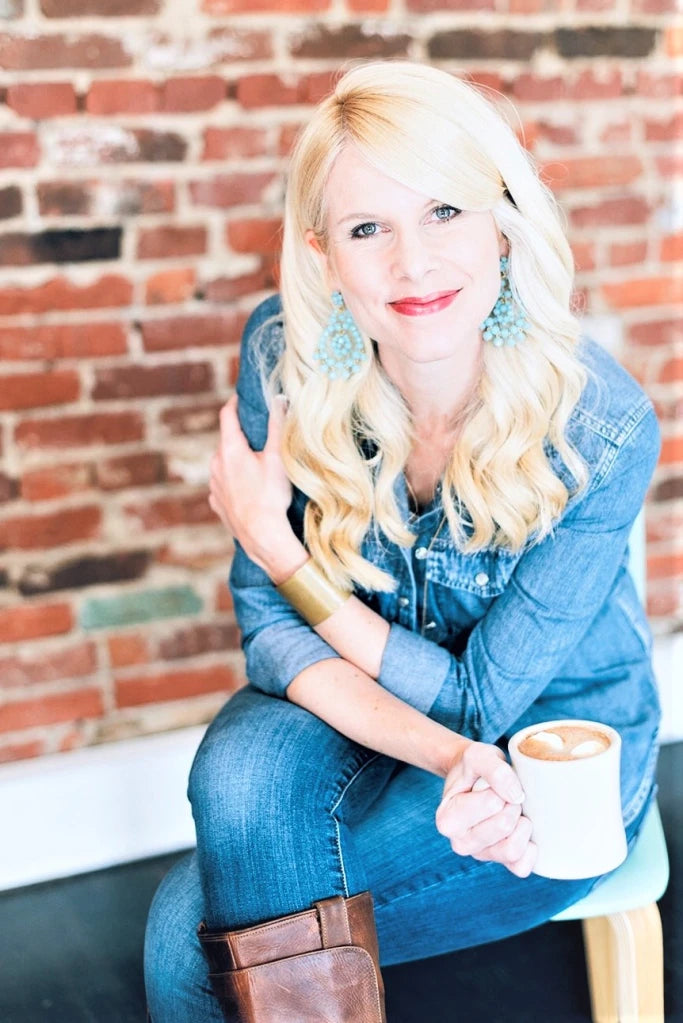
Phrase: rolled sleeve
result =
(429, 664)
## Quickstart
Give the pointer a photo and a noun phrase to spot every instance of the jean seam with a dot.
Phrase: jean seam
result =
(337, 823)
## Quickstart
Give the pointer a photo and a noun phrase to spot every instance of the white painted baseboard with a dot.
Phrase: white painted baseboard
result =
(96, 807)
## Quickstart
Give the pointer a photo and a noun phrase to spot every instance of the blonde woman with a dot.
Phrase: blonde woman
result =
(431, 479)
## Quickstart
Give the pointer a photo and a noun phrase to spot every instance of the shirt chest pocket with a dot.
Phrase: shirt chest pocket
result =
(460, 588)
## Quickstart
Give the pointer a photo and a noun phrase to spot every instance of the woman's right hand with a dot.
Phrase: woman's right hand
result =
(481, 810)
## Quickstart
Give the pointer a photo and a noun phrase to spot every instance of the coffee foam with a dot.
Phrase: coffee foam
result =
(564, 742)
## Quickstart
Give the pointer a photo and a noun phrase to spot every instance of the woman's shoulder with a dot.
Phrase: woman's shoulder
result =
(612, 402)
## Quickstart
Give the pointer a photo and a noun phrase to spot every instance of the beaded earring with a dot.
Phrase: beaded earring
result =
(506, 324)
(340, 351)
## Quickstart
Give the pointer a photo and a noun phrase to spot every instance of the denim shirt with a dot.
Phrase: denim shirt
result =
(490, 641)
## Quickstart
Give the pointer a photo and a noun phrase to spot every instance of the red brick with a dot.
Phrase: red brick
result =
(99, 8)
(34, 532)
(592, 85)
(200, 417)
(21, 750)
(367, 5)
(8, 492)
(223, 598)
(525, 6)
(584, 255)
(666, 566)
(170, 286)
(664, 131)
(188, 95)
(624, 253)
(231, 143)
(427, 6)
(672, 371)
(254, 235)
(108, 96)
(672, 247)
(192, 331)
(288, 136)
(170, 241)
(177, 685)
(36, 52)
(56, 481)
(18, 149)
(558, 134)
(38, 100)
(595, 5)
(193, 640)
(48, 666)
(670, 165)
(166, 512)
(532, 87)
(31, 621)
(659, 86)
(142, 469)
(626, 210)
(105, 198)
(267, 90)
(50, 709)
(59, 293)
(672, 450)
(63, 341)
(80, 431)
(135, 381)
(644, 291)
(673, 40)
(127, 649)
(592, 172)
(663, 598)
(228, 190)
(227, 289)
(233, 369)
(656, 332)
(267, 6)
(31, 390)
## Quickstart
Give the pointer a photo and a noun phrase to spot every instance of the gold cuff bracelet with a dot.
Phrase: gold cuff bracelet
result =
(312, 594)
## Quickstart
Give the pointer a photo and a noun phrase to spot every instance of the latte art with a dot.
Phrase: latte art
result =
(565, 742)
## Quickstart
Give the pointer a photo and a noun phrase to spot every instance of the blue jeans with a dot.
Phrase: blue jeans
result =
(287, 811)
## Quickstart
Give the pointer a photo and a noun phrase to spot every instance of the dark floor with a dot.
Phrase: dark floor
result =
(70, 951)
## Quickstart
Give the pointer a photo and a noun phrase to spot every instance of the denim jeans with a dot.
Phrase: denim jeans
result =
(287, 811)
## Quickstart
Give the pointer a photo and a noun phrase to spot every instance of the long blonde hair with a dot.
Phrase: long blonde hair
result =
(347, 441)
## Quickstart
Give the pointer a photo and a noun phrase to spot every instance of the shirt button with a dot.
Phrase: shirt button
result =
(421, 553)
(403, 601)
(481, 578)
(430, 625)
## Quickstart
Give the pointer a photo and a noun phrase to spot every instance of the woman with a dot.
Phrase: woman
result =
(432, 528)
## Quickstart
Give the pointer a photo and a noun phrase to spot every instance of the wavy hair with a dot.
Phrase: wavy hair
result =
(346, 441)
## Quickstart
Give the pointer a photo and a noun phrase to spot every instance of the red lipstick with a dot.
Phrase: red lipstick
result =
(433, 303)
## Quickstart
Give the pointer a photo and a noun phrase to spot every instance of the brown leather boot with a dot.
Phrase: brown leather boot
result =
(318, 966)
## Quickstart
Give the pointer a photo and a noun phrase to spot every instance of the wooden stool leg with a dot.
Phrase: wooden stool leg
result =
(598, 943)
(626, 966)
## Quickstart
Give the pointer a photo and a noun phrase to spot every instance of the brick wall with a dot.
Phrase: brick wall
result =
(142, 144)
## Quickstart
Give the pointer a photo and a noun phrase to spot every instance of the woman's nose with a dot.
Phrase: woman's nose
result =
(411, 257)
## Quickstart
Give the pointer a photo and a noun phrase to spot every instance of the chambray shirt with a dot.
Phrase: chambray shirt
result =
(491, 641)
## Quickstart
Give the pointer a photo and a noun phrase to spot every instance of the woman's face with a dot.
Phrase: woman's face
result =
(417, 275)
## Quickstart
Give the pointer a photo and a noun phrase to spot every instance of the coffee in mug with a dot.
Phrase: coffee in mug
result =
(570, 771)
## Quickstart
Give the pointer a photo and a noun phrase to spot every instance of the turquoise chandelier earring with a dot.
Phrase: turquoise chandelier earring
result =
(340, 352)
(506, 324)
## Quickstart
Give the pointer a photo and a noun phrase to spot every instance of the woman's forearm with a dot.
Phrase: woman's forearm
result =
(350, 700)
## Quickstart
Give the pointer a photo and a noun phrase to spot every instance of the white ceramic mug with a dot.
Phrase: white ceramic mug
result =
(574, 805)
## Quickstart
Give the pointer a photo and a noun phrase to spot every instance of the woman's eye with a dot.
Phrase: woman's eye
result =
(365, 230)
(446, 212)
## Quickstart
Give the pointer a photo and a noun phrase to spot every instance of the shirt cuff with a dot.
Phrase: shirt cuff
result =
(413, 668)
(283, 651)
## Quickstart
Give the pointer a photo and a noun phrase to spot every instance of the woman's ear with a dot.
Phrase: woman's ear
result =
(322, 258)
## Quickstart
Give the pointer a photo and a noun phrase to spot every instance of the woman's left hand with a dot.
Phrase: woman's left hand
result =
(250, 492)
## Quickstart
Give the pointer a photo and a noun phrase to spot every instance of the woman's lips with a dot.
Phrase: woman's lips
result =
(424, 306)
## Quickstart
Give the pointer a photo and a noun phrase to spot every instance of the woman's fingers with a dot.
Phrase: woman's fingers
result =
(459, 812)
(516, 852)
